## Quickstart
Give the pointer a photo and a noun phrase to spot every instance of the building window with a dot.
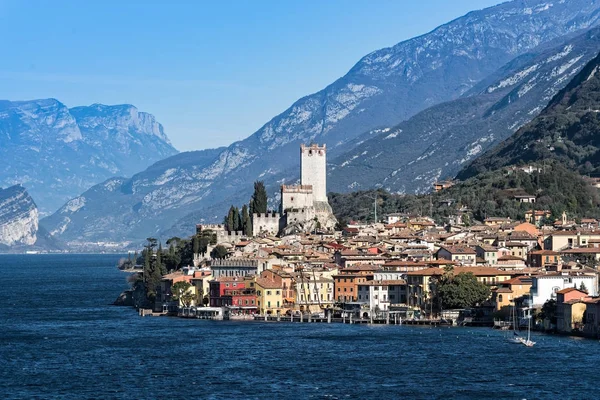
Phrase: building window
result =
(277, 292)
(500, 298)
(268, 292)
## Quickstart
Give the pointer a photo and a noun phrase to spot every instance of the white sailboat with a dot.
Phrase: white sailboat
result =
(515, 337)
(528, 342)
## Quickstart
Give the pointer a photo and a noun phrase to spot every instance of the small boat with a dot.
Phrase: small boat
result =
(528, 342)
(515, 338)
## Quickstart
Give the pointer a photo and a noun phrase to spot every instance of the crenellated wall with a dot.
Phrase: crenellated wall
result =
(268, 223)
(296, 197)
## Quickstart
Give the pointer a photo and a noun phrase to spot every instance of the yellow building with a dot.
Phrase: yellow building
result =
(504, 296)
(269, 297)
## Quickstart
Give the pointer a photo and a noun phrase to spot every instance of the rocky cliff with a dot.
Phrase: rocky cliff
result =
(18, 217)
(58, 153)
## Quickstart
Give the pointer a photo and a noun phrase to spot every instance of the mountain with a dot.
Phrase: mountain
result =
(382, 89)
(438, 142)
(18, 217)
(57, 152)
(566, 130)
(120, 209)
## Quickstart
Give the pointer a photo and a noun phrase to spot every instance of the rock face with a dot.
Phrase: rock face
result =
(382, 89)
(566, 130)
(440, 141)
(18, 217)
(57, 152)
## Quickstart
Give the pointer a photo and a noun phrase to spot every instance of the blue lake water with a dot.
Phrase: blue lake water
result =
(61, 338)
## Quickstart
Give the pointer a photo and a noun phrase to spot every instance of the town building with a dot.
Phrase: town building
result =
(544, 287)
(233, 267)
(347, 280)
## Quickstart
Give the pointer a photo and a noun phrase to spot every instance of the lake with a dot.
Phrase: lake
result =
(61, 338)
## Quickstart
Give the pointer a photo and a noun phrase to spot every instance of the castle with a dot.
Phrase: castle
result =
(305, 207)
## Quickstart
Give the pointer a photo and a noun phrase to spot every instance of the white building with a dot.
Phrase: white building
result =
(379, 294)
(544, 287)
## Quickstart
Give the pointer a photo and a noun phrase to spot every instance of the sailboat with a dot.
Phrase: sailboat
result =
(516, 338)
(528, 342)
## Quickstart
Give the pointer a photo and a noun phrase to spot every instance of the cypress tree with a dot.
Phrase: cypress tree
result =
(237, 223)
(159, 265)
(259, 198)
(196, 244)
(246, 222)
(230, 219)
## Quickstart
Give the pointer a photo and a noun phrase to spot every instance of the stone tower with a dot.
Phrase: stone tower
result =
(313, 167)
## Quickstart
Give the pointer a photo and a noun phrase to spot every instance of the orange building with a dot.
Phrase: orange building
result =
(543, 258)
(347, 281)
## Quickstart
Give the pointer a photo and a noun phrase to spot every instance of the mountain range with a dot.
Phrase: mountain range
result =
(459, 60)
(438, 142)
(566, 131)
(58, 152)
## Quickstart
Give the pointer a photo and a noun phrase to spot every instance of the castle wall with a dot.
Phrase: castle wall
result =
(269, 223)
(301, 215)
(296, 197)
(313, 167)
(230, 237)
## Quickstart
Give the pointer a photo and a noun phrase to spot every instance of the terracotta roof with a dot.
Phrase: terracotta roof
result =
(568, 290)
(519, 280)
(544, 253)
(404, 263)
(581, 250)
(509, 258)
(515, 244)
(459, 249)
(267, 283)
(362, 267)
(477, 271)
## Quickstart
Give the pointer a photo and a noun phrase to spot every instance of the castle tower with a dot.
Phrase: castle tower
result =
(313, 166)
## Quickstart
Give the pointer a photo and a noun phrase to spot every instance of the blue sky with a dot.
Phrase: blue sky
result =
(212, 72)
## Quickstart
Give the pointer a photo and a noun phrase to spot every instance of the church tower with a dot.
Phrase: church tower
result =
(313, 167)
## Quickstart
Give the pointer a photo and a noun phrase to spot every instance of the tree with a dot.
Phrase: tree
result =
(246, 221)
(152, 269)
(548, 311)
(259, 198)
(231, 219)
(182, 294)
(237, 221)
(462, 290)
(219, 252)
(206, 237)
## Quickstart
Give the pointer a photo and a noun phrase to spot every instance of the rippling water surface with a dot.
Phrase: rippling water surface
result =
(62, 339)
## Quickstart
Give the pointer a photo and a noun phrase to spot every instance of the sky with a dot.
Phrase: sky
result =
(212, 72)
